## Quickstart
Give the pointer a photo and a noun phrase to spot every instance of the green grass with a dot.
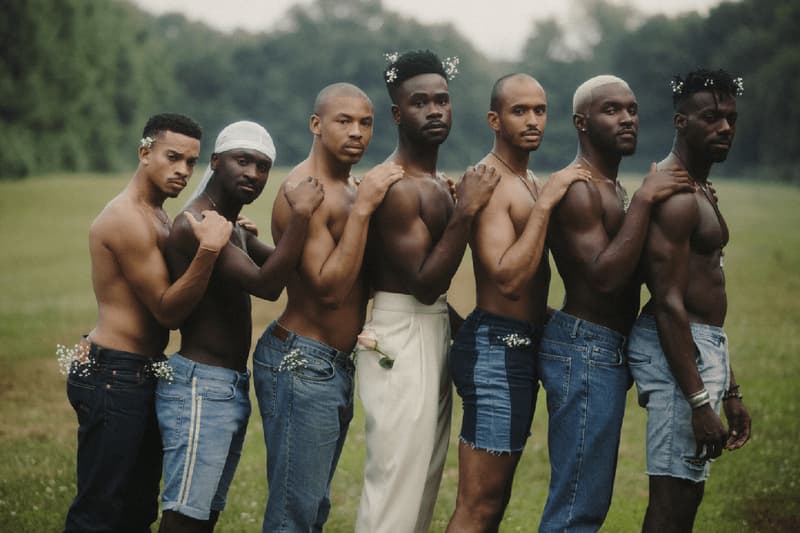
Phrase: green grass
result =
(47, 299)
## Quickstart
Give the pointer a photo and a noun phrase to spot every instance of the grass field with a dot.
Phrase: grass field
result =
(46, 298)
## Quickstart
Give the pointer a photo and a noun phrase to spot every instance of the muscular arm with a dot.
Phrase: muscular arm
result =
(510, 261)
(607, 264)
(134, 245)
(667, 264)
(330, 268)
(667, 271)
(236, 268)
(427, 267)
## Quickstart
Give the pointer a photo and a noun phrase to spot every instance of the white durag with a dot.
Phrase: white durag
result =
(583, 94)
(239, 135)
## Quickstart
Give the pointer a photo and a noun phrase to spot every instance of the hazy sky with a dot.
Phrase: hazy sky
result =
(496, 27)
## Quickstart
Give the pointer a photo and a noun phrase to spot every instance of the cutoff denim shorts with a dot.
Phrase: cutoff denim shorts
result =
(203, 416)
(671, 446)
(493, 364)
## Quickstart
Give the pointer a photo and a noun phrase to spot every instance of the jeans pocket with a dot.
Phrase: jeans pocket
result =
(311, 368)
(265, 380)
(170, 414)
(601, 356)
(554, 372)
(217, 390)
(81, 395)
(637, 358)
(122, 378)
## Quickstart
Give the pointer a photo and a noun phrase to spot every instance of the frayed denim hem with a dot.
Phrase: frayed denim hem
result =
(490, 451)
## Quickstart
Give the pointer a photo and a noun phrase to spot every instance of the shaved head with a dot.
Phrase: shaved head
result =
(497, 90)
(337, 90)
(583, 94)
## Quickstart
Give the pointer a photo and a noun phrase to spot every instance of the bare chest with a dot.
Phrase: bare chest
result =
(435, 206)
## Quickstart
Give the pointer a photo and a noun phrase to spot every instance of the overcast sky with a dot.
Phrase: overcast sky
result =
(497, 27)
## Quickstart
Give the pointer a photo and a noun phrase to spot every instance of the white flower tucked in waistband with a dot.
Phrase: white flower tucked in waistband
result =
(515, 340)
(161, 370)
(367, 341)
(292, 361)
(74, 361)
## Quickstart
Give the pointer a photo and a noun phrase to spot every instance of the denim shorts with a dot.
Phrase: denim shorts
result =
(493, 364)
(671, 446)
(203, 416)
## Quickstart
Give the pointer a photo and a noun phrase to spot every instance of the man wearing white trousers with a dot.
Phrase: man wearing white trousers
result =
(417, 239)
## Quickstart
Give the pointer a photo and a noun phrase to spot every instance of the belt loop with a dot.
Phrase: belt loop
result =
(576, 327)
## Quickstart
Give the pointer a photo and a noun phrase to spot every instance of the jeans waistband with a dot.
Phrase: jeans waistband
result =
(522, 326)
(103, 356)
(713, 333)
(578, 327)
(185, 367)
(395, 301)
(293, 340)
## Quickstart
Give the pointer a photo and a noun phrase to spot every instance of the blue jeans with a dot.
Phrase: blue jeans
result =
(583, 369)
(671, 446)
(305, 395)
(119, 446)
(493, 364)
(202, 414)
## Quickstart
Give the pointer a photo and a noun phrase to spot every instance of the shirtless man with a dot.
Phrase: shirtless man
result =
(678, 351)
(302, 365)
(417, 239)
(111, 384)
(493, 359)
(596, 245)
(204, 408)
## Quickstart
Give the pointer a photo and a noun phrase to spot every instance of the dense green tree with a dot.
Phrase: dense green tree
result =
(78, 78)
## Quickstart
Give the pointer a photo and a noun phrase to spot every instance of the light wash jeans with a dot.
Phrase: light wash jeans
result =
(305, 396)
(671, 446)
(582, 368)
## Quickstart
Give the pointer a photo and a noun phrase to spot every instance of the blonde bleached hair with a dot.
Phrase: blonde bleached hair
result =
(583, 94)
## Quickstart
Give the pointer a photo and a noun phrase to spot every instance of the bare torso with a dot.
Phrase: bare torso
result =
(425, 205)
(512, 201)
(219, 329)
(617, 309)
(123, 321)
(704, 298)
(306, 313)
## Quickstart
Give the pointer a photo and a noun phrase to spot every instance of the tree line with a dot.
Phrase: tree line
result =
(78, 78)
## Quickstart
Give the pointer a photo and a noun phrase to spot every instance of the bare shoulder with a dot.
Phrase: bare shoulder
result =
(580, 197)
(679, 212)
(120, 220)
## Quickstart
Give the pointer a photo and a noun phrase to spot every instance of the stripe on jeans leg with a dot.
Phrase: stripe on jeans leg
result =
(195, 444)
(190, 445)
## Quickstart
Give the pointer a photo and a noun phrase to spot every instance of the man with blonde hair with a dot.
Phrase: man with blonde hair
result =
(596, 238)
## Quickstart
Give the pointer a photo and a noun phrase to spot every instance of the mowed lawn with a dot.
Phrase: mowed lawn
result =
(46, 298)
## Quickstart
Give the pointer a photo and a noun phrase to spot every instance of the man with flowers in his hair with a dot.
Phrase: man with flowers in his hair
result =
(113, 376)
(678, 351)
(203, 405)
(417, 239)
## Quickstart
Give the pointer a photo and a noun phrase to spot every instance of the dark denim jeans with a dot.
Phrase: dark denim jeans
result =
(119, 446)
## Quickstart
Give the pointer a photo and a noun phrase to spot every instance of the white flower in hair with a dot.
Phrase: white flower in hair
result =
(391, 75)
(450, 65)
(739, 86)
(146, 142)
(391, 57)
